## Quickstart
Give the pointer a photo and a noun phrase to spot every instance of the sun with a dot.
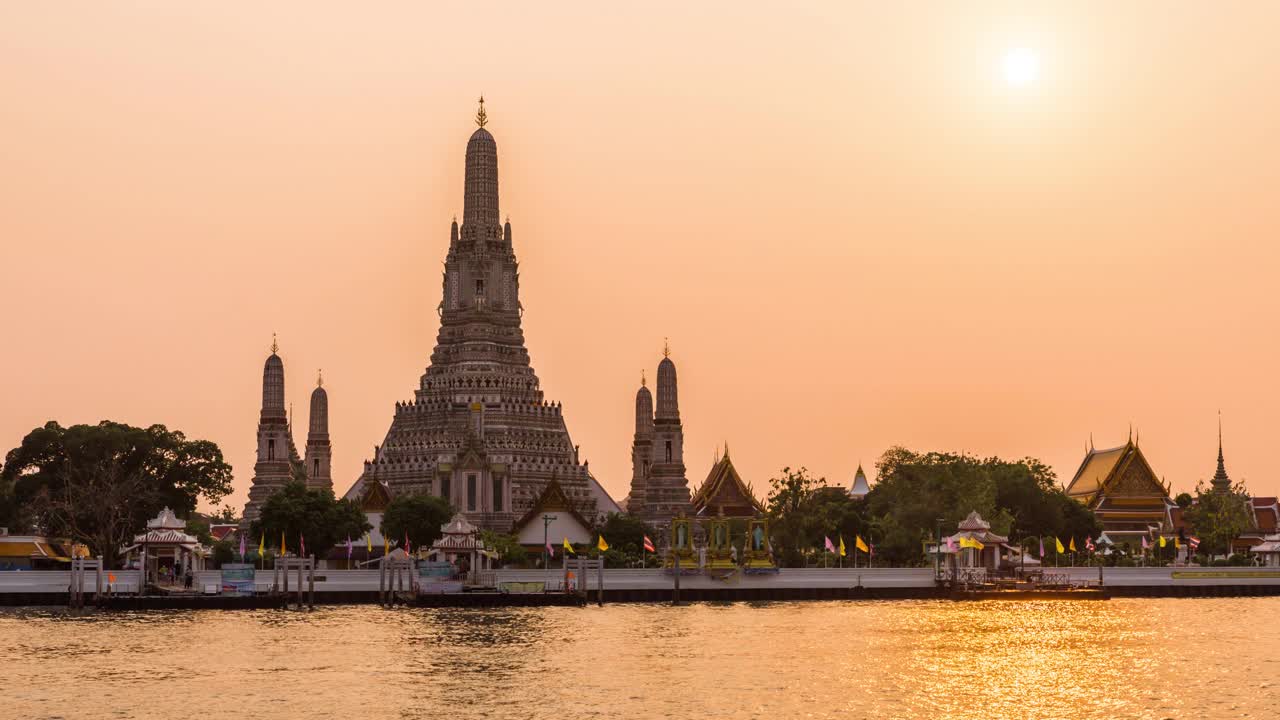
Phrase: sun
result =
(1021, 66)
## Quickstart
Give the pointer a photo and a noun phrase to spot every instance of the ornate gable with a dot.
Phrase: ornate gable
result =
(724, 489)
(1133, 477)
(376, 498)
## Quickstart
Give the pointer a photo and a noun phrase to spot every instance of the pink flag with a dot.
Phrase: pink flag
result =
(407, 546)
(348, 547)
(830, 548)
(551, 552)
(951, 545)
(1088, 543)
(1145, 546)
(871, 550)
(302, 545)
(242, 547)
(1041, 547)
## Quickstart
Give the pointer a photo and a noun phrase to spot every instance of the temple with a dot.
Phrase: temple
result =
(1124, 493)
(659, 487)
(479, 430)
(724, 492)
(278, 462)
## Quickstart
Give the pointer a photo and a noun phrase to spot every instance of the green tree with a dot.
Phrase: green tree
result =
(795, 526)
(1218, 517)
(227, 515)
(99, 484)
(420, 516)
(223, 553)
(1019, 498)
(199, 529)
(508, 547)
(314, 515)
(1184, 500)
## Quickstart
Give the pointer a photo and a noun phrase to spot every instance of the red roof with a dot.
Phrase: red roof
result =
(220, 532)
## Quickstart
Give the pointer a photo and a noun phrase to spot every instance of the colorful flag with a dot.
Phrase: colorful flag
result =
(1088, 543)
(551, 552)
(842, 552)
(407, 547)
(1194, 542)
(859, 544)
(568, 548)
(1058, 543)
(830, 547)
(871, 549)
(1072, 546)
(648, 544)
(348, 547)
(1162, 541)
(112, 578)
(1177, 542)
(242, 546)
(282, 550)
(386, 545)
(368, 543)
(602, 544)
(1042, 547)
(302, 549)
(951, 545)
(262, 545)
(1145, 545)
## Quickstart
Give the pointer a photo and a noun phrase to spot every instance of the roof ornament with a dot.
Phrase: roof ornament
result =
(320, 378)
(481, 117)
(666, 348)
(275, 346)
(726, 449)
(642, 380)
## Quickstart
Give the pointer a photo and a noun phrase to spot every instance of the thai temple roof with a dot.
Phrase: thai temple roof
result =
(724, 478)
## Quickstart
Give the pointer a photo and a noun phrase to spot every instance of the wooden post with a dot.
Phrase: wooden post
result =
(600, 583)
(301, 562)
(675, 593)
(311, 584)
(382, 581)
(285, 590)
(97, 589)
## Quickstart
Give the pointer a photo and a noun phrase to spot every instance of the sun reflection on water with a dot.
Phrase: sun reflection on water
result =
(912, 659)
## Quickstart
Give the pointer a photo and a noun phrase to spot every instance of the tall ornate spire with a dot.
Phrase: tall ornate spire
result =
(480, 203)
(275, 346)
(1220, 479)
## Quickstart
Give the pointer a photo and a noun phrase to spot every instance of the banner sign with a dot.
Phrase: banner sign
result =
(237, 579)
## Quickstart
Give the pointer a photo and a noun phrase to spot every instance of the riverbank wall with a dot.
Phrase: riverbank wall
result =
(651, 585)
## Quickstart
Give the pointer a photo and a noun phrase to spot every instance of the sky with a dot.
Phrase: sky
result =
(997, 228)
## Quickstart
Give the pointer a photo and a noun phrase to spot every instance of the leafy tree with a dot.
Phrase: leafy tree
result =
(508, 547)
(223, 553)
(794, 525)
(420, 516)
(1218, 517)
(99, 484)
(1020, 499)
(200, 530)
(315, 515)
(1184, 500)
(227, 515)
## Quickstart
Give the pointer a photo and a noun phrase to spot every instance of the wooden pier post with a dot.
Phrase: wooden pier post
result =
(600, 583)
(675, 593)
(311, 585)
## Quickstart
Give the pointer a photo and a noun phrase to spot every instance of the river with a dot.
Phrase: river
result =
(1124, 658)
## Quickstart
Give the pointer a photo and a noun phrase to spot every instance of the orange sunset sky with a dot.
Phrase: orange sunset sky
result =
(854, 228)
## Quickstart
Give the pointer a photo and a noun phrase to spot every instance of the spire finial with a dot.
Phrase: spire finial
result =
(275, 346)
(642, 380)
(726, 448)
(481, 117)
(666, 348)
(320, 378)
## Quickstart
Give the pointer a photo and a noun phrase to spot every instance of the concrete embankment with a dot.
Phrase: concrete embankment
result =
(634, 585)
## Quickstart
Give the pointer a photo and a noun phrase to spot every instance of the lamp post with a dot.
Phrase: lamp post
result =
(546, 542)
(937, 551)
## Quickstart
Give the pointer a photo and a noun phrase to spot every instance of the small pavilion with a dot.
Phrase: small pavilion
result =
(1268, 551)
(995, 548)
(165, 548)
(461, 546)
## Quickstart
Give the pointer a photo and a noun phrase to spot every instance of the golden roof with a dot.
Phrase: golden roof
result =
(721, 473)
(1094, 471)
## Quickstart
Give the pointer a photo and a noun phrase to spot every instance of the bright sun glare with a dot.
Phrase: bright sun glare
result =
(1021, 66)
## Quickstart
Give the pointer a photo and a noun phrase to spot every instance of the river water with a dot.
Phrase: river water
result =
(1124, 658)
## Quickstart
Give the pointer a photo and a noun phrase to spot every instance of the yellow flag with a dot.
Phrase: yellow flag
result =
(1058, 543)
(368, 543)
(842, 553)
(262, 545)
(976, 544)
(858, 543)
(602, 544)
(568, 548)
(1072, 546)
(1161, 541)
(282, 550)
(1177, 543)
